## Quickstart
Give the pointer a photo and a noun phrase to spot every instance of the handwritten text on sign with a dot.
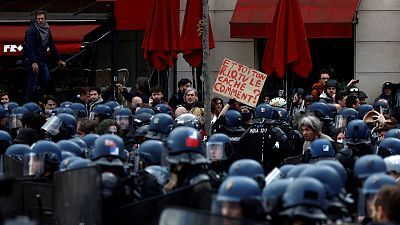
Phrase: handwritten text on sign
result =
(240, 82)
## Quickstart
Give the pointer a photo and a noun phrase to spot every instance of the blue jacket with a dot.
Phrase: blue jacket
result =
(34, 50)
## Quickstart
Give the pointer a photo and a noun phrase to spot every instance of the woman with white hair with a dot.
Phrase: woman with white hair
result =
(191, 99)
(310, 127)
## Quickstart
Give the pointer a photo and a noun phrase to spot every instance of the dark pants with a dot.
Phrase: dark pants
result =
(37, 83)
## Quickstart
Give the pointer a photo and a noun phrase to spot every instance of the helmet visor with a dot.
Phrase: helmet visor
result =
(15, 121)
(273, 175)
(92, 115)
(340, 121)
(52, 126)
(33, 164)
(215, 151)
(124, 122)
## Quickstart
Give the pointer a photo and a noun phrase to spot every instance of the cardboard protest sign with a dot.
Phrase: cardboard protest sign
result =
(240, 82)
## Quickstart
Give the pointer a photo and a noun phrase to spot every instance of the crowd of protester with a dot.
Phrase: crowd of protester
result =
(318, 157)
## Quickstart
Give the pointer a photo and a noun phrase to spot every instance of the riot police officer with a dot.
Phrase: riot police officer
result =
(188, 166)
(60, 127)
(357, 141)
(264, 142)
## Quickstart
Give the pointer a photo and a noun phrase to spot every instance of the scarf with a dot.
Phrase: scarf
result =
(44, 32)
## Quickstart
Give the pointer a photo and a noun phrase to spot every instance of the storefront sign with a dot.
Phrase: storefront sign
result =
(240, 82)
(12, 48)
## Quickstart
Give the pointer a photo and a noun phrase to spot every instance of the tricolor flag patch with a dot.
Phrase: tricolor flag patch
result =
(192, 140)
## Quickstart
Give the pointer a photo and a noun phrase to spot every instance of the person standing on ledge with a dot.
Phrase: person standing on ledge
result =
(38, 39)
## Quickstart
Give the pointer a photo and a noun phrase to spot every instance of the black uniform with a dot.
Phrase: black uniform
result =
(266, 144)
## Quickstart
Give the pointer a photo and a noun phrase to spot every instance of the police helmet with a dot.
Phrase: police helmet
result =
(349, 113)
(123, 116)
(393, 133)
(320, 149)
(5, 138)
(160, 126)
(246, 167)
(109, 145)
(32, 107)
(70, 146)
(272, 194)
(295, 171)
(63, 125)
(184, 146)
(367, 165)
(49, 149)
(80, 143)
(151, 151)
(357, 132)
(160, 173)
(58, 110)
(320, 110)
(79, 109)
(233, 120)
(264, 110)
(163, 108)
(67, 161)
(145, 110)
(142, 131)
(9, 106)
(284, 169)
(332, 110)
(90, 139)
(327, 176)
(389, 146)
(17, 151)
(5, 141)
(305, 197)
(220, 137)
(381, 105)
(112, 105)
(280, 114)
(102, 111)
(375, 182)
(15, 118)
(278, 102)
(79, 163)
(65, 154)
(363, 110)
(143, 115)
(338, 167)
(392, 163)
(3, 112)
(65, 104)
(225, 140)
(189, 120)
(236, 188)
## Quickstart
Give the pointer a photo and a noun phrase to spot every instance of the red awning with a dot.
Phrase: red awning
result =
(322, 19)
(68, 38)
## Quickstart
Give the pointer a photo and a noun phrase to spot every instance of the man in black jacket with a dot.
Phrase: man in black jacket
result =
(38, 38)
(177, 98)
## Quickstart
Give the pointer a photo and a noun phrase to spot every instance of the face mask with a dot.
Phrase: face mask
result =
(340, 141)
